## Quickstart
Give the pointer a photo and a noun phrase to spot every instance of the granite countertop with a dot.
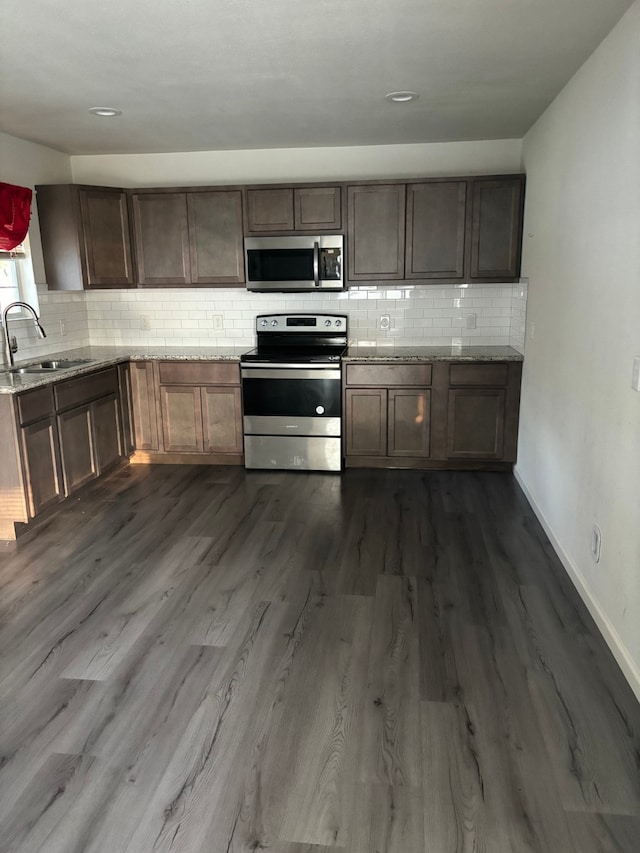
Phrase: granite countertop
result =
(12, 383)
(98, 357)
(476, 353)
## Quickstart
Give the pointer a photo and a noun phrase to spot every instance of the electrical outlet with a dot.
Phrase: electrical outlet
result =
(471, 320)
(218, 322)
(145, 322)
(596, 543)
(63, 329)
(384, 322)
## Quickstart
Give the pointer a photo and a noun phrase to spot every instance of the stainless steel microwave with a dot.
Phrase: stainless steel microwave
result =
(295, 263)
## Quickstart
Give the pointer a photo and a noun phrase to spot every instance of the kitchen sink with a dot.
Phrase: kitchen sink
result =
(51, 366)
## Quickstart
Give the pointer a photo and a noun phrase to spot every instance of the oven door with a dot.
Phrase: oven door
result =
(286, 400)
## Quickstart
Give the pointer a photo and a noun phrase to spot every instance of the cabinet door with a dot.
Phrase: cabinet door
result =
(105, 415)
(162, 239)
(317, 208)
(40, 450)
(143, 395)
(181, 418)
(376, 231)
(222, 420)
(107, 242)
(365, 422)
(475, 424)
(215, 237)
(77, 448)
(409, 422)
(270, 210)
(435, 230)
(496, 234)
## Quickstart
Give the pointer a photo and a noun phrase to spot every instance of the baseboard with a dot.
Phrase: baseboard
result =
(611, 637)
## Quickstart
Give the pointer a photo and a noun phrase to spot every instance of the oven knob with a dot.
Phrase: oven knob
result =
(327, 322)
(274, 322)
(338, 322)
(263, 322)
(319, 410)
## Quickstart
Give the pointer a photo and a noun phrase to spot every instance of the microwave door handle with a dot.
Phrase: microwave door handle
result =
(316, 264)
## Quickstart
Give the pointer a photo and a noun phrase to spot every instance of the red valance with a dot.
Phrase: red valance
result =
(15, 211)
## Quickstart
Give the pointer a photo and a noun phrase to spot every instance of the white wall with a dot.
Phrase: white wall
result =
(27, 164)
(579, 449)
(500, 156)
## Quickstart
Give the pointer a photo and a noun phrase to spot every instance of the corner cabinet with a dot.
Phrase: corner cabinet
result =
(86, 239)
(188, 412)
(188, 238)
(441, 415)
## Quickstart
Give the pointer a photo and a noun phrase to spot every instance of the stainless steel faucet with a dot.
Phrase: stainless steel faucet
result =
(11, 345)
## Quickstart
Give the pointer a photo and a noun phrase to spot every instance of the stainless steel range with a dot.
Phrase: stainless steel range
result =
(292, 392)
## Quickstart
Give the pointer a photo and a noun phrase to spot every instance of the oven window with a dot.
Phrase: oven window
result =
(280, 264)
(291, 397)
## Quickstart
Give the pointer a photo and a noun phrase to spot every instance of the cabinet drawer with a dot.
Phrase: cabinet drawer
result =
(478, 374)
(35, 405)
(388, 375)
(75, 392)
(199, 373)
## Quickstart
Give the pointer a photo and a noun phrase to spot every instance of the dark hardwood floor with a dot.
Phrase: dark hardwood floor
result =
(208, 660)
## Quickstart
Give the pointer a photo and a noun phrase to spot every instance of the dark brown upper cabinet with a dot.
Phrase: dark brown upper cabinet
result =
(376, 229)
(436, 230)
(317, 208)
(291, 209)
(496, 228)
(215, 237)
(161, 228)
(189, 238)
(86, 238)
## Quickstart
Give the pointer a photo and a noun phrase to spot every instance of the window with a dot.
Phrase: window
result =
(16, 277)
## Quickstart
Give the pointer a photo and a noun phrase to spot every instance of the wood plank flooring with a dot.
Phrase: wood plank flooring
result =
(208, 660)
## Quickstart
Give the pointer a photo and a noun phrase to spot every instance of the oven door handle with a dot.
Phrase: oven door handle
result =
(289, 371)
(316, 264)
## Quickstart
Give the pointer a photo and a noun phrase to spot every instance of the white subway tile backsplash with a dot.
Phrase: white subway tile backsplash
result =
(181, 317)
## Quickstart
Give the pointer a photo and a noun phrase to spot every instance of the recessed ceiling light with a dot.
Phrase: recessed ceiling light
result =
(105, 111)
(401, 97)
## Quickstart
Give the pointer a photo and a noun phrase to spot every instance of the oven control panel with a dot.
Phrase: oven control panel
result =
(301, 322)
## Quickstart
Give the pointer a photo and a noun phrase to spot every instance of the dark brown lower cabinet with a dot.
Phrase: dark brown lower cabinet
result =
(42, 465)
(145, 414)
(387, 422)
(89, 441)
(105, 415)
(199, 412)
(466, 418)
(222, 420)
(181, 418)
(365, 422)
(77, 448)
(409, 421)
(475, 424)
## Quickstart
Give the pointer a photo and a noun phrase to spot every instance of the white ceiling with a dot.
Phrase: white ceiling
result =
(195, 75)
